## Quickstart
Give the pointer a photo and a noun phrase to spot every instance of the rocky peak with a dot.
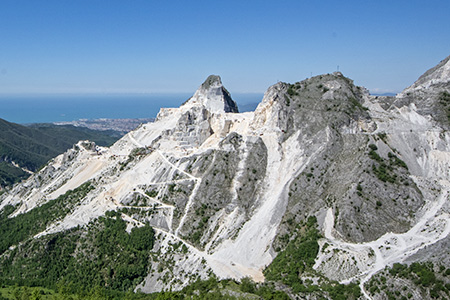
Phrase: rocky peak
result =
(213, 95)
(429, 94)
(231, 194)
(440, 74)
(212, 80)
(312, 105)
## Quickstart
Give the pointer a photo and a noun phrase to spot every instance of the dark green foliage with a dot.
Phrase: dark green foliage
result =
(444, 97)
(121, 257)
(270, 294)
(199, 290)
(423, 275)
(356, 104)
(172, 187)
(384, 168)
(23, 226)
(291, 92)
(72, 134)
(9, 174)
(211, 289)
(105, 256)
(32, 147)
(247, 285)
(359, 190)
(383, 137)
(395, 161)
(374, 155)
(298, 256)
(152, 193)
(444, 101)
(6, 211)
(196, 237)
(287, 100)
(343, 291)
(141, 238)
(383, 173)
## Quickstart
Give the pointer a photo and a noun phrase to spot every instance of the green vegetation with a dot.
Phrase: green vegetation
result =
(431, 282)
(72, 134)
(384, 168)
(395, 161)
(338, 291)
(297, 260)
(298, 256)
(355, 104)
(421, 273)
(31, 147)
(140, 151)
(23, 226)
(9, 174)
(384, 173)
(201, 289)
(287, 100)
(291, 92)
(104, 256)
(359, 189)
(383, 136)
(444, 101)
(151, 193)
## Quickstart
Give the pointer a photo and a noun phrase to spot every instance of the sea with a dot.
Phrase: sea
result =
(26, 109)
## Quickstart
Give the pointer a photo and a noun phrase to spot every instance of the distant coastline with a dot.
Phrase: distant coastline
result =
(25, 109)
(121, 126)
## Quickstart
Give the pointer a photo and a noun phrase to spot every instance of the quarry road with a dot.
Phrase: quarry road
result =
(188, 205)
(175, 166)
(432, 226)
(193, 194)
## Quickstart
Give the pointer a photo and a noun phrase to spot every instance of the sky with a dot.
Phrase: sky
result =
(109, 46)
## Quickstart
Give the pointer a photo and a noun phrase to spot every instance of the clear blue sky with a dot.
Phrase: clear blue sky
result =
(60, 46)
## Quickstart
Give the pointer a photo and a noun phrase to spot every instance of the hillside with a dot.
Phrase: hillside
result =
(324, 191)
(24, 149)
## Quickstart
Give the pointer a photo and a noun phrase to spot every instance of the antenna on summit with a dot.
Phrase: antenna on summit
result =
(338, 68)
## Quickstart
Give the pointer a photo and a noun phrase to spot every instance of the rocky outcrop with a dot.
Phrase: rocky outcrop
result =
(213, 95)
(233, 188)
(430, 94)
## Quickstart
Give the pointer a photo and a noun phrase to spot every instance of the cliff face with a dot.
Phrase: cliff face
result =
(430, 94)
(232, 188)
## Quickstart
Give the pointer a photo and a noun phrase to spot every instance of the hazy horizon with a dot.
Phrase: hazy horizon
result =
(171, 47)
(42, 108)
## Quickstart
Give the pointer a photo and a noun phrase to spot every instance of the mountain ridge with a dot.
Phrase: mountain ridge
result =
(236, 190)
(24, 149)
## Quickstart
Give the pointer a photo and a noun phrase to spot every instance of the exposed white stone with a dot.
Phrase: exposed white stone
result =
(201, 124)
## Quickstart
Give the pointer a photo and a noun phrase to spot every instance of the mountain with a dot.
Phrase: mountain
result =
(324, 191)
(23, 149)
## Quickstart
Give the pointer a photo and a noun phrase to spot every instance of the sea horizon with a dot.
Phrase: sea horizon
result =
(52, 108)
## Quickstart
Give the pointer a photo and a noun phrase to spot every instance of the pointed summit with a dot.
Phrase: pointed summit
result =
(212, 80)
(213, 95)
